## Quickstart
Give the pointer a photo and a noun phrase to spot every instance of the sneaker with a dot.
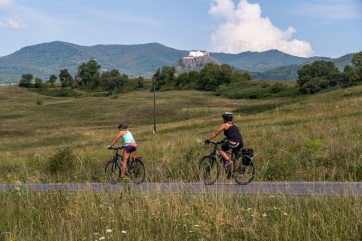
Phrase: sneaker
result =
(228, 162)
(125, 179)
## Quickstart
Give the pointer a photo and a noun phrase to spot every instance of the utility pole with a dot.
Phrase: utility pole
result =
(154, 107)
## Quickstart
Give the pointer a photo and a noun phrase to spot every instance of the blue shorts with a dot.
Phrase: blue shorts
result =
(130, 148)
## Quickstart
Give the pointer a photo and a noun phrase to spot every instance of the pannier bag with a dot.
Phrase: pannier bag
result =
(247, 151)
(247, 156)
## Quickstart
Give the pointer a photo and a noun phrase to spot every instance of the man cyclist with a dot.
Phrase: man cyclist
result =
(232, 140)
(129, 144)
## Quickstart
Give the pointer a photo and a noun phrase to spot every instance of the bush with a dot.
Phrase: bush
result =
(63, 162)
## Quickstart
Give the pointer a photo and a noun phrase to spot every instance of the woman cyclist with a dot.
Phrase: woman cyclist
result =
(232, 140)
(129, 144)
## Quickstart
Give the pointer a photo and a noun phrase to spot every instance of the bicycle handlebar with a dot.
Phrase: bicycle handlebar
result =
(115, 148)
(213, 142)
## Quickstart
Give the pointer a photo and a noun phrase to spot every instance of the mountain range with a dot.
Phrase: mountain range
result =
(43, 60)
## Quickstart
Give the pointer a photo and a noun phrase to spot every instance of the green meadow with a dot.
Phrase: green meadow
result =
(45, 139)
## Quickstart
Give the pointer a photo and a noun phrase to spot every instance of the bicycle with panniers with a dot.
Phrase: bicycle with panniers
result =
(242, 170)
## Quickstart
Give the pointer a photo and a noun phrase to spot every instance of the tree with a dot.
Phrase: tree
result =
(213, 75)
(52, 79)
(112, 80)
(316, 76)
(26, 80)
(65, 78)
(38, 82)
(187, 81)
(357, 60)
(208, 77)
(168, 74)
(88, 72)
(182, 81)
(225, 74)
(357, 64)
(140, 82)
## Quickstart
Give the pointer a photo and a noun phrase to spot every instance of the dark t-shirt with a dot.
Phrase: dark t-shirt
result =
(233, 134)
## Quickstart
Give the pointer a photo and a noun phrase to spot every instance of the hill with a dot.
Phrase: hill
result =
(43, 60)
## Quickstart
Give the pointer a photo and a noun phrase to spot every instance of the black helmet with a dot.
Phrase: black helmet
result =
(122, 126)
(228, 116)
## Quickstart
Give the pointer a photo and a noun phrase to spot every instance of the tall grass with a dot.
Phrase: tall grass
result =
(129, 215)
(314, 138)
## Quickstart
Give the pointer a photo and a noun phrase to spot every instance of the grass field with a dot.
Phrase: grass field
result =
(63, 139)
(310, 138)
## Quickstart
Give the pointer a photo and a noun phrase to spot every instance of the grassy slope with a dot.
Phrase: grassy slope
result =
(313, 138)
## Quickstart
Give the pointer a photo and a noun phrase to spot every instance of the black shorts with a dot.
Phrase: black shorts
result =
(235, 146)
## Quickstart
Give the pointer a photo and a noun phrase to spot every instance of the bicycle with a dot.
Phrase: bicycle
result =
(242, 171)
(135, 169)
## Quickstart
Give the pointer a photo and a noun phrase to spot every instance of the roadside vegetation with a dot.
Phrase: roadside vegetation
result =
(130, 215)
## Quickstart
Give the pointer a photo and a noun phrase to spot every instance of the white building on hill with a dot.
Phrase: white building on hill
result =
(198, 53)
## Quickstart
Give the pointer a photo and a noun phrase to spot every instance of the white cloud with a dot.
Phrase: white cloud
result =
(243, 29)
(12, 23)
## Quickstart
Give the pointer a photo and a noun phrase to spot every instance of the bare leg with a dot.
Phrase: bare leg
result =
(223, 154)
(124, 166)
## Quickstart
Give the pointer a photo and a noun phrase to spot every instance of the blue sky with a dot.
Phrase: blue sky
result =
(330, 28)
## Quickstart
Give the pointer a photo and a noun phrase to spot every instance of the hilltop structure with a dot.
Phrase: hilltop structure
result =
(197, 53)
(195, 61)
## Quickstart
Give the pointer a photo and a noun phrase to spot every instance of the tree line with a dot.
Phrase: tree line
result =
(312, 78)
(210, 77)
(320, 75)
(88, 77)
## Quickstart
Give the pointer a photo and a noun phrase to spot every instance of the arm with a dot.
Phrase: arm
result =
(217, 132)
(120, 133)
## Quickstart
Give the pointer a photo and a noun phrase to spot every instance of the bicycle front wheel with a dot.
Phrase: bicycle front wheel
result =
(136, 171)
(112, 172)
(209, 170)
(245, 172)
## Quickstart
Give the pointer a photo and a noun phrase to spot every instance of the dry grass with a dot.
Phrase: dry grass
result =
(314, 138)
(130, 215)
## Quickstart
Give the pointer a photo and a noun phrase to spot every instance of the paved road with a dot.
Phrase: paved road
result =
(254, 188)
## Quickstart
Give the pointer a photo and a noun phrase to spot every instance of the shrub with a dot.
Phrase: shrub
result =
(62, 162)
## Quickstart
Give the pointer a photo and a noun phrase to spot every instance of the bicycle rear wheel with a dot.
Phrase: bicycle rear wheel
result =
(136, 171)
(209, 170)
(112, 172)
(244, 174)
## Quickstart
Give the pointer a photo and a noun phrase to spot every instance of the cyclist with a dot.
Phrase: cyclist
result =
(129, 144)
(232, 140)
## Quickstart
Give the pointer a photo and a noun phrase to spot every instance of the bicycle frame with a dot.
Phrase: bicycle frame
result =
(242, 172)
(120, 156)
(215, 153)
(135, 168)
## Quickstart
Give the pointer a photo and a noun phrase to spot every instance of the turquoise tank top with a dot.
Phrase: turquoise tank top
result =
(128, 138)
